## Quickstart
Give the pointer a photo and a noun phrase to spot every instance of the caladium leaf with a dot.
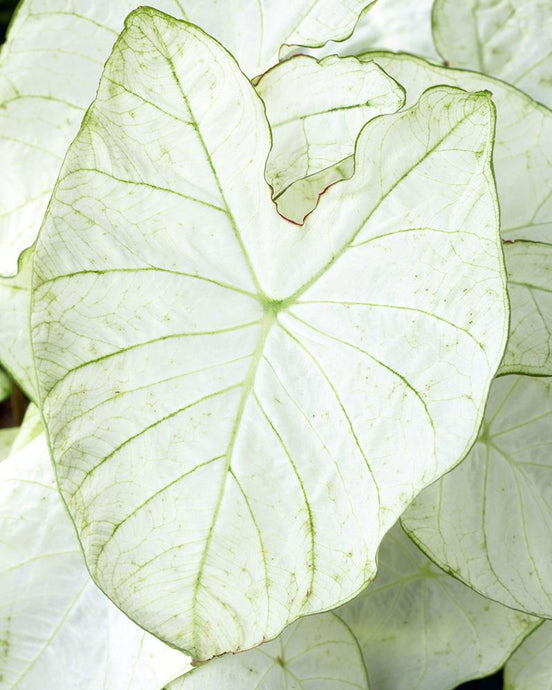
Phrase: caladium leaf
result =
(391, 25)
(417, 627)
(522, 154)
(530, 667)
(7, 437)
(71, 39)
(510, 40)
(312, 133)
(529, 348)
(498, 541)
(15, 346)
(260, 384)
(57, 630)
(314, 653)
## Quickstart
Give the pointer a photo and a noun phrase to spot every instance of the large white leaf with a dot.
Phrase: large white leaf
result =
(316, 110)
(510, 40)
(315, 653)
(15, 346)
(489, 521)
(390, 25)
(217, 382)
(418, 629)
(530, 667)
(53, 58)
(529, 268)
(57, 630)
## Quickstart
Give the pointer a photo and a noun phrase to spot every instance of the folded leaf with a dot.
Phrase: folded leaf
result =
(529, 268)
(57, 630)
(310, 133)
(217, 382)
(418, 629)
(510, 40)
(45, 90)
(489, 521)
(530, 667)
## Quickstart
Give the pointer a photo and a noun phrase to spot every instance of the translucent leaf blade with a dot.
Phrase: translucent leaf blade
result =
(57, 629)
(248, 357)
(508, 40)
(530, 667)
(498, 541)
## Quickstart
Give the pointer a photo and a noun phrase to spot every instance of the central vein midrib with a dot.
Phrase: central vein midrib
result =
(248, 384)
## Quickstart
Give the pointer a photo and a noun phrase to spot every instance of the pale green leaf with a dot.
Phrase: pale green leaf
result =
(53, 59)
(530, 667)
(29, 430)
(315, 131)
(15, 346)
(217, 382)
(5, 386)
(529, 269)
(418, 629)
(489, 520)
(57, 630)
(506, 39)
(315, 653)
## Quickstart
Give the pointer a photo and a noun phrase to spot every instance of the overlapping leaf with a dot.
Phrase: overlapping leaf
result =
(510, 40)
(530, 667)
(312, 132)
(57, 78)
(57, 630)
(5, 386)
(218, 382)
(417, 627)
(489, 521)
(315, 653)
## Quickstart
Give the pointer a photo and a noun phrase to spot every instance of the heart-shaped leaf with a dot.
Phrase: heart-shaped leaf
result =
(57, 630)
(44, 90)
(510, 40)
(217, 382)
(489, 521)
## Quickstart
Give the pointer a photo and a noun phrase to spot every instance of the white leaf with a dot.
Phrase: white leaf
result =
(57, 630)
(530, 667)
(5, 386)
(315, 132)
(390, 25)
(315, 653)
(53, 59)
(418, 629)
(509, 40)
(15, 346)
(522, 148)
(489, 521)
(7, 437)
(217, 382)
(529, 348)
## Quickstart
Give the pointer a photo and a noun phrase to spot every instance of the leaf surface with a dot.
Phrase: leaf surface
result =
(418, 629)
(312, 133)
(216, 381)
(498, 540)
(57, 630)
(529, 269)
(530, 667)
(509, 40)
(57, 78)
(5, 386)
(314, 653)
